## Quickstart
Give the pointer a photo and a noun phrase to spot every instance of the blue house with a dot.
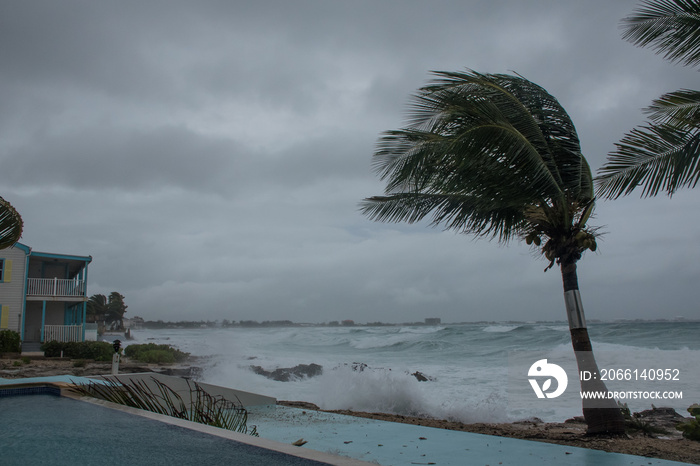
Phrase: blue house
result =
(43, 296)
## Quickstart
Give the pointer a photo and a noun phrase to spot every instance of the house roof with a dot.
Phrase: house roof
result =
(50, 255)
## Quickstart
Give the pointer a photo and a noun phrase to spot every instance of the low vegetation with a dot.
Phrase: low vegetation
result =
(96, 350)
(691, 428)
(10, 342)
(155, 354)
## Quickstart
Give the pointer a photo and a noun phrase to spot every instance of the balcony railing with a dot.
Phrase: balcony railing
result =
(55, 287)
(63, 333)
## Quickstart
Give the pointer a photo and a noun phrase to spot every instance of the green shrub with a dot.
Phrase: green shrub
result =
(26, 360)
(10, 342)
(52, 349)
(152, 353)
(97, 350)
(691, 428)
(156, 357)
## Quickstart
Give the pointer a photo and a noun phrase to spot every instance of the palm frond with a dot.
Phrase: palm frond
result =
(203, 407)
(465, 214)
(478, 151)
(671, 27)
(10, 224)
(657, 157)
(524, 114)
(680, 108)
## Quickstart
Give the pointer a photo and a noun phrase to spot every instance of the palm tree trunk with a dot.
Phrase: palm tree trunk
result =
(602, 416)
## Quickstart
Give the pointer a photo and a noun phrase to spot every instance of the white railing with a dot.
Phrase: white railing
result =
(55, 287)
(63, 332)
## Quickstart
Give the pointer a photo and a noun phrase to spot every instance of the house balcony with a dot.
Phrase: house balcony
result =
(56, 289)
(63, 333)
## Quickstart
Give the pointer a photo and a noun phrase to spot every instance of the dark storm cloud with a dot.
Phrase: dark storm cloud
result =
(211, 155)
(110, 158)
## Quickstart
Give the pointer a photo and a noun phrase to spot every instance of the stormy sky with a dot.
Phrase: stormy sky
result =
(211, 155)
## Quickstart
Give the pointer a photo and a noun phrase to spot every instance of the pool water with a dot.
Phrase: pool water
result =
(49, 429)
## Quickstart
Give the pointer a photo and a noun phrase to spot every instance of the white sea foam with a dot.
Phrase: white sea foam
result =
(468, 364)
(500, 328)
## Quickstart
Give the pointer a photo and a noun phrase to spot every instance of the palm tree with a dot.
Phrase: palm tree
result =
(665, 153)
(96, 308)
(10, 225)
(497, 156)
(116, 310)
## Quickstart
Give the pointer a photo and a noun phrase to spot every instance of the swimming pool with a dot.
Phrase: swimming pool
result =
(49, 429)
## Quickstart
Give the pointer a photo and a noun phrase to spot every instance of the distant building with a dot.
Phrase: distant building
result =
(137, 322)
(43, 296)
(348, 322)
(432, 321)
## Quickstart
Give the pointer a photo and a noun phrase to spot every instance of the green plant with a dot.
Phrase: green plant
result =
(156, 357)
(17, 363)
(52, 349)
(625, 410)
(11, 226)
(691, 428)
(10, 342)
(80, 363)
(496, 156)
(203, 408)
(636, 424)
(26, 360)
(96, 350)
(152, 353)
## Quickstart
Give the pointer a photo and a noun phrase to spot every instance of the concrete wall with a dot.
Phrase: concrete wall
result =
(179, 385)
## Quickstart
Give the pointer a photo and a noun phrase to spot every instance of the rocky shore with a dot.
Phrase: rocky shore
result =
(658, 437)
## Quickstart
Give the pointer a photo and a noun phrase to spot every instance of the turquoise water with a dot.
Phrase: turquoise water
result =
(467, 364)
(51, 430)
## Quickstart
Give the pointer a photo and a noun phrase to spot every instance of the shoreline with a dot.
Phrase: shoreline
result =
(669, 446)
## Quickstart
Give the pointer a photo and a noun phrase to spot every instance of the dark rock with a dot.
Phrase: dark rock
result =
(422, 377)
(299, 404)
(286, 374)
(662, 418)
(530, 420)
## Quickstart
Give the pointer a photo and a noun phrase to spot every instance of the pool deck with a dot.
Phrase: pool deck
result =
(342, 439)
(389, 443)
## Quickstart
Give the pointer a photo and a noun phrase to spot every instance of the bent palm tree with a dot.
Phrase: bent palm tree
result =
(497, 156)
(10, 224)
(97, 308)
(665, 154)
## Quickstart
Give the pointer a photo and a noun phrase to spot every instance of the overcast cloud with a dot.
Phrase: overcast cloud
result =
(210, 155)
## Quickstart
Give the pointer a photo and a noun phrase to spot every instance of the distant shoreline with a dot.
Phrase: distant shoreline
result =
(161, 325)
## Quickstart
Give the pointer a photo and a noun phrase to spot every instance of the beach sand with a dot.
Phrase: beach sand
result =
(670, 445)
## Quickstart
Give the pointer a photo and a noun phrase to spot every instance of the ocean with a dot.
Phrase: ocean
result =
(474, 372)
